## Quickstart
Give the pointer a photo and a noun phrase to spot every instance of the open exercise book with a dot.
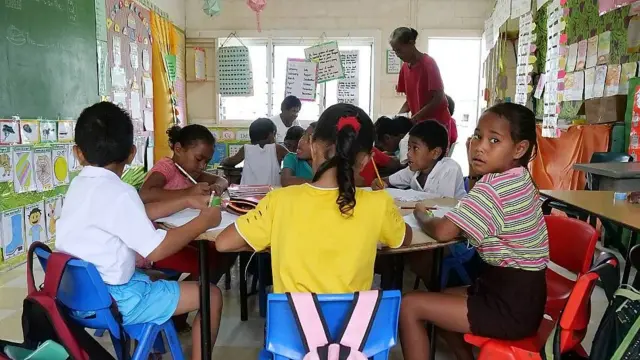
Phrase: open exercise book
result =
(182, 217)
(438, 212)
(408, 195)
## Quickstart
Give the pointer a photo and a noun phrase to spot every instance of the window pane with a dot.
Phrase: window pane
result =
(249, 107)
(310, 110)
(364, 77)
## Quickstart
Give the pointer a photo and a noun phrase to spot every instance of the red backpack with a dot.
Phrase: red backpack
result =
(45, 318)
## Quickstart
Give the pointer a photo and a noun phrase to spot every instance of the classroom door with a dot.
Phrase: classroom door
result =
(459, 61)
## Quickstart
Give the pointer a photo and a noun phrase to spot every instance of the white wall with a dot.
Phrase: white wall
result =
(336, 18)
(175, 9)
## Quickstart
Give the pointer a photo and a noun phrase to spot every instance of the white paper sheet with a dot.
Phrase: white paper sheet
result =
(301, 79)
(136, 109)
(327, 56)
(182, 217)
(410, 195)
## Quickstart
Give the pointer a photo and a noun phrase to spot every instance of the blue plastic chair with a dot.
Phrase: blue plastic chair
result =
(459, 256)
(83, 291)
(283, 339)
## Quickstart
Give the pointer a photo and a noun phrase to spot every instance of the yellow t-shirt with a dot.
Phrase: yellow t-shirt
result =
(314, 248)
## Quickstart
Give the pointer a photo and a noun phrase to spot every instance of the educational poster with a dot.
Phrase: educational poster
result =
(349, 87)
(103, 66)
(612, 82)
(200, 66)
(234, 148)
(327, 56)
(502, 13)
(141, 145)
(30, 131)
(634, 143)
(519, 8)
(627, 73)
(581, 61)
(572, 60)
(301, 79)
(589, 83)
(487, 36)
(52, 209)
(34, 223)
(23, 179)
(48, 131)
(43, 169)
(12, 233)
(6, 165)
(633, 35)
(72, 160)
(9, 132)
(574, 86)
(60, 165)
(555, 70)
(604, 47)
(235, 74)
(65, 130)
(394, 64)
(524, 62)
(601, 78)
(592, 51)
(219, 153)
(540, 86)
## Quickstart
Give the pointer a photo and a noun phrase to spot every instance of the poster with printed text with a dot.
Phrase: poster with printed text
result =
(23, 179)
(394, 64)
(327, 55)
(301, 79)
(43, 169)
(34, 223)
(348, 90)
(52, 209)
(6, 164)
(60, 165)
(235, 74)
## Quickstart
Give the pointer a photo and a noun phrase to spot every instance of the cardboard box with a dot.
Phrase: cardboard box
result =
(604, 110)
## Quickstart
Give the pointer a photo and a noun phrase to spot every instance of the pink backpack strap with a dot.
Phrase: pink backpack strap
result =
(311, 324)
(356, 330)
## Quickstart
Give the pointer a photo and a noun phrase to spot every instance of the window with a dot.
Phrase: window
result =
(269, 56)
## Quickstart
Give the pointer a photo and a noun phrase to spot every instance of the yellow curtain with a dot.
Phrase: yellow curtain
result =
(161, 30)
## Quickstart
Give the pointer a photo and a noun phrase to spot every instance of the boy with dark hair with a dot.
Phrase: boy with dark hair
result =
(429, 170)
(287, 118)
(104, 222)
(294, 134)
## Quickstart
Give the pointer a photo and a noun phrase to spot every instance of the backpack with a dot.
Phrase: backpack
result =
(45, 318)
(314, 332)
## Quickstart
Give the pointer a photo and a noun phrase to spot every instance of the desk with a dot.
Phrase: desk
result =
(614, 176)
(601, 204)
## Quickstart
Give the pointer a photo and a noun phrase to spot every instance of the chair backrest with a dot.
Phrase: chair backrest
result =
(603, 157)
(572, 243)
(85, 294)
(283, 339)
(577, 312)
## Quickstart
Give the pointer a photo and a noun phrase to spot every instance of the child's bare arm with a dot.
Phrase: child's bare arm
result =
(235, 159)
(218, 183)
(408, 235)
(153, 190)
(281, 152)
(160, 209)
(440, 229)
(288, 179)
(179, 237)
(231, 241)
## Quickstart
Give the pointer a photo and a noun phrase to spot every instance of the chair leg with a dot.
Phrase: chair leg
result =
(262, 284)
(172, 340)
(244, 301)
(462, 273)
(416, 284)
(145, 345)
(227, 280)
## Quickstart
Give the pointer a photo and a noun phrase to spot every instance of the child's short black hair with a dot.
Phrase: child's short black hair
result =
(294, 133)
(189, 135)
(398, 126)
(260, 129)
(290, 102)
(104, 134)
(433, 134)
(452, 104)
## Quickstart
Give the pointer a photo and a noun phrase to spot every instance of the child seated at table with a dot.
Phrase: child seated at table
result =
(193, 148)
(292, 138)
(296, 168)
(502, 217)
(262, 157)
(104, 222)
(323, 236)
(429, 170)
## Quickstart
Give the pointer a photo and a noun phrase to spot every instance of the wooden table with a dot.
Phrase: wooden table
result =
(602, 205)
(614, 176)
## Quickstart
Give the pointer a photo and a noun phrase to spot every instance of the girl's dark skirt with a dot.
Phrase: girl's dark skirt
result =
(506, 303)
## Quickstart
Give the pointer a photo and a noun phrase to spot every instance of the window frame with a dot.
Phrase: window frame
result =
(271, 42)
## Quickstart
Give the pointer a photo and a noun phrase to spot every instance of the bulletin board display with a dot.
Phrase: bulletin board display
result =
(228, 142)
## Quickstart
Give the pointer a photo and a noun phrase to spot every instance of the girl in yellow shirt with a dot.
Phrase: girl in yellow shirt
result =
(323, 236)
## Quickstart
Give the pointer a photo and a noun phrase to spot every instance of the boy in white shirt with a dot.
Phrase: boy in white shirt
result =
(104, 222)
(428, 169)
(287, 118)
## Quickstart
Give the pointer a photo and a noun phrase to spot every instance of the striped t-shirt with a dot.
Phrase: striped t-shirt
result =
(502, 217)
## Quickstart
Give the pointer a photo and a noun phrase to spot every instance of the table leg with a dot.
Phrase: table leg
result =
(434, 286)
(627, 266)
(244, 297)
(262, 286)
(205, 301)
(398, 270)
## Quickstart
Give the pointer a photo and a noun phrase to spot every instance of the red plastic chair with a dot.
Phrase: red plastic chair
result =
(572, 244)
(572, 326)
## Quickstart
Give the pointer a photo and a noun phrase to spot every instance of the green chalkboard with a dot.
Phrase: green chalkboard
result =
(48, 61)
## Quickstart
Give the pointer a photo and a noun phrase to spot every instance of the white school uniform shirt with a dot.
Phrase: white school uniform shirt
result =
(104, 222)
(444, 180)
(282, 128)
(261, 165)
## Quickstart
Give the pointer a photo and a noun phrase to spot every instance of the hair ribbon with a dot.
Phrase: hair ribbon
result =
(349, 121)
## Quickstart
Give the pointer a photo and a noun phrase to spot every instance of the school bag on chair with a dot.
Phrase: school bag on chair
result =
(314, 332)
(44, 318)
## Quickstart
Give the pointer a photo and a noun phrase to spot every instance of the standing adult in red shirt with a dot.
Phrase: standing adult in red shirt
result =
(420, 81)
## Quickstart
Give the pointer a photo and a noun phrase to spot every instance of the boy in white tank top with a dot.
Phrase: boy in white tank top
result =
(262, 158)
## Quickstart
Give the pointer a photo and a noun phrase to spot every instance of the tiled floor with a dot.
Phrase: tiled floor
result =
(237, 340)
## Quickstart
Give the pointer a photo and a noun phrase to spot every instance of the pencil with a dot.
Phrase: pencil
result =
(375, 168)
(413, 208)
(186, 174)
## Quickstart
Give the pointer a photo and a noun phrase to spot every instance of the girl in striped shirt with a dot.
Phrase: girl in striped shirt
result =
(502, 217)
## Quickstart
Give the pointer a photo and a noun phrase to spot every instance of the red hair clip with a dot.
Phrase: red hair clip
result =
(349, 121)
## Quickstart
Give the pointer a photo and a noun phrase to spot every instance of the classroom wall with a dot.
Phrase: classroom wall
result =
(175, 9)
(339, 18)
